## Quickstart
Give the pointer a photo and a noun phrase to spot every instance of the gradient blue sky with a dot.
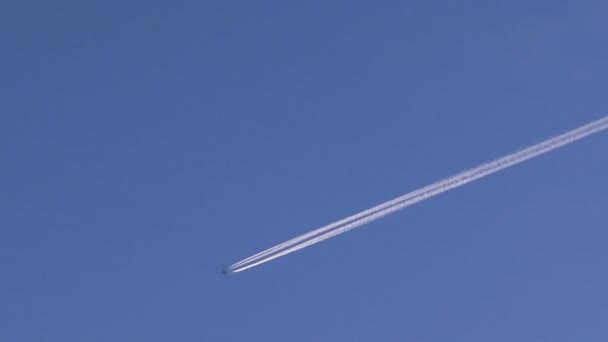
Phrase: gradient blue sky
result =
(144, 145)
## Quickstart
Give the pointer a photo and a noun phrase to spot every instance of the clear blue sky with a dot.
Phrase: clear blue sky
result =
(144, 145)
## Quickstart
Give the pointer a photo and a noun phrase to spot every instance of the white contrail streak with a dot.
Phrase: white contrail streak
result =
(419, 195)
(343, 221)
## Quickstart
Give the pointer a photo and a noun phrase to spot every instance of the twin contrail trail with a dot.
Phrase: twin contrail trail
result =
(401, 202)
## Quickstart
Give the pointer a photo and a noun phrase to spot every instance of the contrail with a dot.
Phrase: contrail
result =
(419, 195)
(343, 221)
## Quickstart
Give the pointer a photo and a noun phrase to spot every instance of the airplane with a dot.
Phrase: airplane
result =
(225, 270)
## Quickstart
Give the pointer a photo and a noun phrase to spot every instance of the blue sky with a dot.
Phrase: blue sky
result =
(143, 146)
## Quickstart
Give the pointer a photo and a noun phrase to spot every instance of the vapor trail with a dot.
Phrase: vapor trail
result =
(343, 221)
(346, 220)
(419, 195)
